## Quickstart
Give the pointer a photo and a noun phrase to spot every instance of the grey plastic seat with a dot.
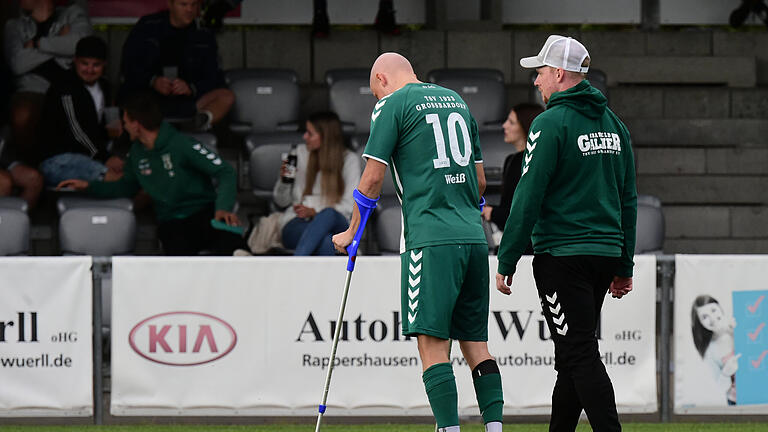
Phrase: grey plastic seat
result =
(350, 96)
(482, 90)
(596, 78)
(266, 100)
(388, 229)
(264, 168)
(78, 201)
(650, 225)
(14, 231)
(97, 231)
(388, 192)
(255, 140)
(17, 203)
(495, 152)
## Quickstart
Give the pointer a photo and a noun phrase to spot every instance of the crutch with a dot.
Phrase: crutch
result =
(365, 206)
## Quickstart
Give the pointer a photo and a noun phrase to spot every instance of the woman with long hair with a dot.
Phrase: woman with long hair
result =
(712, 333)
(319, 201)
(516, 129)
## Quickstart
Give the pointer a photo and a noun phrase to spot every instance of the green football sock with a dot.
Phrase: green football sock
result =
(490, 398)
(440, 385)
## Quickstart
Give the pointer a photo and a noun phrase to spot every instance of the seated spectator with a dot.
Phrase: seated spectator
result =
(319, 201)
(178, 173)
(316, 196)
(39, 46)
(76, 134)
(170, 54)
(516, 129)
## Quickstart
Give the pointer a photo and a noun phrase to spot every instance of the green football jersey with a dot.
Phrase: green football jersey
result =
(429, 139)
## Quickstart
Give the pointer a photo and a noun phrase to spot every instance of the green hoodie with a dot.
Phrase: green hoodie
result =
(577, 193)
(176, 173)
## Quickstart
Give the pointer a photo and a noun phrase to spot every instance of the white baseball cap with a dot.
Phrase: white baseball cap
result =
(559, 52)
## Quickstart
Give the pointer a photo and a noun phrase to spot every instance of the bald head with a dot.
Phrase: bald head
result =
(389, 73)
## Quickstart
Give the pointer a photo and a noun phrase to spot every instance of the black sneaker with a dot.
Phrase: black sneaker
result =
(202, 121)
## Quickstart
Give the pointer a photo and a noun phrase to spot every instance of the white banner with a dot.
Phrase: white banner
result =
(252, 336)
(46, 361)
(721, 311)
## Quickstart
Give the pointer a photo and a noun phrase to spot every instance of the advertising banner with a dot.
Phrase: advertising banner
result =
(46, 361)
(721, 311)
(252, 336)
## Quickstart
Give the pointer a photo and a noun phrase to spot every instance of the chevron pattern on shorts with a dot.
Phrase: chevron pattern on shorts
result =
(561, 327)
(414, 279)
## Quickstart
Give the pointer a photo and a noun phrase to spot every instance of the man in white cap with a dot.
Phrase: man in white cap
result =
(577, 202)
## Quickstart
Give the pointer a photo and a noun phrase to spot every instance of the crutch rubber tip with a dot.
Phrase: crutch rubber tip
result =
(321, 409)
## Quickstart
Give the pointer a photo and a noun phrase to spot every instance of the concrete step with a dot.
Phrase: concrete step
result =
(709, 189)
(698, 132)
(716, 221)
(716, 246)
(650, 101)
(733, 71)
(736, 161)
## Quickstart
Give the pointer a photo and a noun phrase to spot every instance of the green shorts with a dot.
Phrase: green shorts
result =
(444, 291)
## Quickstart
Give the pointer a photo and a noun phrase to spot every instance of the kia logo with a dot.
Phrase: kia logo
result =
(182, 338)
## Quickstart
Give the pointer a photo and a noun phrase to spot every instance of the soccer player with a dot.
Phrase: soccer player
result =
(429, 140)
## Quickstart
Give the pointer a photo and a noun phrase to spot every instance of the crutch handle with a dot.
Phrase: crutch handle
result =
(365, 205)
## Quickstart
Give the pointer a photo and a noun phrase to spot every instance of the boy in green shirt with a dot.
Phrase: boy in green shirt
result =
(177, 172)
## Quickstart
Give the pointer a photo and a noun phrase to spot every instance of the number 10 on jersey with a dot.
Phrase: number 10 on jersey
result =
(442, 160)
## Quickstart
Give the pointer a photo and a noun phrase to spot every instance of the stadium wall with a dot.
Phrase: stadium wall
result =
(695, 101)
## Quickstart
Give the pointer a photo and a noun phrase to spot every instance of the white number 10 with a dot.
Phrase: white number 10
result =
(442, 160)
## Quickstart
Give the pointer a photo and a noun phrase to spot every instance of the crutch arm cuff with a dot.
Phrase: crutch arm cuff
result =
(365, 206)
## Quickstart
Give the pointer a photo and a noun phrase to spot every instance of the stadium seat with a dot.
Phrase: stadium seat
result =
(264, 168)
(495, 152)
(255, 140)
(78, 201)
(350, 96)
(388, 228)
(14, 203)
(97, 231)
(357, 142)
(482, 89)
(596, 78)
(650, 226)
(388, 192)
(14, 231)
(266, 100)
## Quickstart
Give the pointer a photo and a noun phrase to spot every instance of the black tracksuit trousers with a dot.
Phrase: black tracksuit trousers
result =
(571, 290)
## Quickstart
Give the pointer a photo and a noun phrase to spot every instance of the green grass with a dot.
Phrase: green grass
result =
(630, 427)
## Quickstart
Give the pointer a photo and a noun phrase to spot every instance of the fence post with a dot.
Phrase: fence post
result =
(99, 266)
(666, 269)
